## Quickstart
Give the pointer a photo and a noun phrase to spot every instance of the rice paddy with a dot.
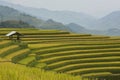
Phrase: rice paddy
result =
(77, 56)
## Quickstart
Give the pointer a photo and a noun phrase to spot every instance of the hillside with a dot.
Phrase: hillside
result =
(103, 26)
(109, 21)
(7, 13)
(65, 17)
(10, 71)
(59, 16)
(75, 28)
(86, 55)
(105, 23)
(15, 24)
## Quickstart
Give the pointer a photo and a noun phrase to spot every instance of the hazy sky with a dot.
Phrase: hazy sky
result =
(93, 7)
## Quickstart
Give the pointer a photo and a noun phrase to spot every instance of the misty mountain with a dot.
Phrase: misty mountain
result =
(62, 16)
(113, 31)
(15, 24)
(8, 14)
(50, 24)
(65, 17)
(75, 28)
(112, 20)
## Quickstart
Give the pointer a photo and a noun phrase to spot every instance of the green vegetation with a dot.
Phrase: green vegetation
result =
(10, 71)
(15, 24)
(12, 18)
(84, 55)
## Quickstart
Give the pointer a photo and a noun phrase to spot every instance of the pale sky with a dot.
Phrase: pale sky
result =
(96, 8)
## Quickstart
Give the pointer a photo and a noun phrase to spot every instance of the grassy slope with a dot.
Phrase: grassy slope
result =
(57, 47)
(10, 71)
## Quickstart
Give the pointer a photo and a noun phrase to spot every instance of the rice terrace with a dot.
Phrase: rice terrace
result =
(58, 55)
(59, 39)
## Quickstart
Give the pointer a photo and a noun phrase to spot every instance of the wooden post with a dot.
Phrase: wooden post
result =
(18, 37)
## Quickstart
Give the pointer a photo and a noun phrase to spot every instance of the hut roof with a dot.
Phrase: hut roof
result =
(12, 33)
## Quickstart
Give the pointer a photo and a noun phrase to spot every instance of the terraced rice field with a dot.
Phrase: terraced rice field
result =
(90, 56)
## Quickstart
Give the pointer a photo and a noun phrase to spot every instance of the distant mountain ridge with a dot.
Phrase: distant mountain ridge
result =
(8, 14)
(108, 25)
(15, 24)
(110, 21)
(65, 17)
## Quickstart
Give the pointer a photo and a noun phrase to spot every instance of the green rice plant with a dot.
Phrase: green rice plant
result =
(84, 52)
(54, 45)
(41, 65)
(58, 36)
(69, 52)
(32, 63)
(6, 49)
(41, 46)
(26, 60)
(23, 45)
(51, 41)
(80, 61)
(4, 44)
(96, 75)
(15, 53)
(77, 47)
(12, 50)
(9, 71)
(78, 56)
(95, 70)
(70, 67)
(63, 38)
(19, 57)
(77, 41)
(60, 51)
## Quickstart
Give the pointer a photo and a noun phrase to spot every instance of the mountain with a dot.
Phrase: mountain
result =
(65, 17)
(50, 24)
(110, 21)
(15, 24)
(75, 28)
(8, 14)
(108, 25)
(113, 31)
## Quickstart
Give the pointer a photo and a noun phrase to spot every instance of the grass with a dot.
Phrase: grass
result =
(81, 61)
(87, 65)
(66, 50)
(98, 74)
(76, 54)
(38, 46)
(25, 61)
(76, 48)
(4, 50)
(82, 42)
(100, 69)
(4, 42)
(10, 71)
(21, 51)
